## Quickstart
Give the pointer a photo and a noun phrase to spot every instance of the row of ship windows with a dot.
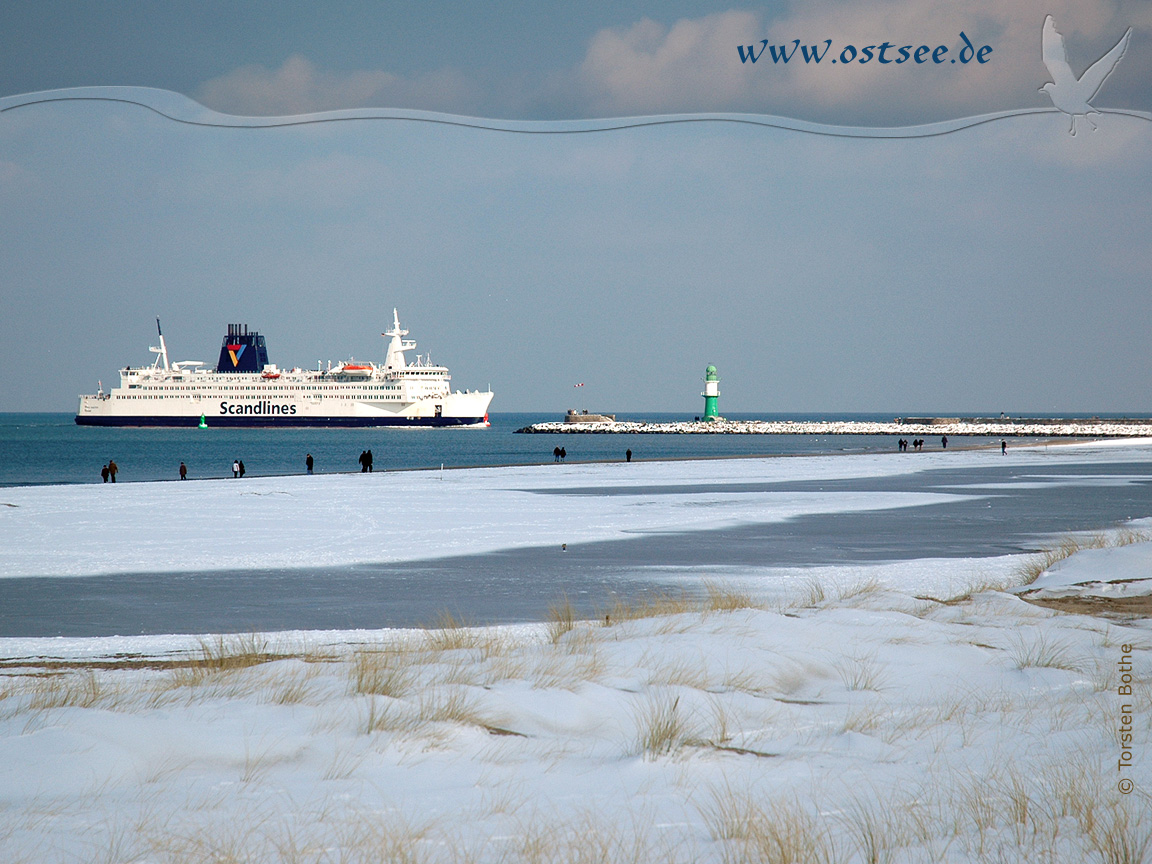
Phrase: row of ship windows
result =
(395, 397)
(266, 389)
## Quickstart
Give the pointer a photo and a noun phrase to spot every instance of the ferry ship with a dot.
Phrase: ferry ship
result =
(246, 390)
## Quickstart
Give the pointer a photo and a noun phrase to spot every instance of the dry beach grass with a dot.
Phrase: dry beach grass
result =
(841, 723)
(1139, 606)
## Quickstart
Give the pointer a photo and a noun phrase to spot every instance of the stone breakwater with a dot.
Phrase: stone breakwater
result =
(790, 427)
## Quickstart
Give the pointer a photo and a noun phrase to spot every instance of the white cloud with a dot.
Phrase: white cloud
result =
(649, 68)
(694, 64)
(298, 87)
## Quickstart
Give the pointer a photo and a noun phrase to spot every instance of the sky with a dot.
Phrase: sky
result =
(544, 60)
(1002, 267)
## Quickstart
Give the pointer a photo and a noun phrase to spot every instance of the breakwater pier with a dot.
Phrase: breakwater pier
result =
(929, 426)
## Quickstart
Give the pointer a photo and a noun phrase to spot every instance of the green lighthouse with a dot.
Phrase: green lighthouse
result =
(711, 393)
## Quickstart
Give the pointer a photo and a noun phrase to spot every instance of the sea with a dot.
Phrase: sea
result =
(978, 510)
(49, 448)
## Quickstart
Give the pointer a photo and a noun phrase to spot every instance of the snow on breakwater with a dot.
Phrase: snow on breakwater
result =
(1082, 429)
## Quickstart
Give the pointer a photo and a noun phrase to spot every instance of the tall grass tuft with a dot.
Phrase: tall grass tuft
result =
(650, 606)
(814, 593)
(76, 690)
(660, 728)
(1120, 837)
(450, 705)
(239, 651)
(1074, 789)
(725, 598)
(862, 588)
(381, 673)
(376, 717)
(561, 620)
(871, 832)
(859, 673)
(449, 634)
(1045, 559)
(370, 838)
(453, 634)
(588, 840)
(1043, 654)
(777, 832)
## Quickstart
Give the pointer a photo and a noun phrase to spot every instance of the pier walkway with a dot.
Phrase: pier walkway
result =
(1042, 428)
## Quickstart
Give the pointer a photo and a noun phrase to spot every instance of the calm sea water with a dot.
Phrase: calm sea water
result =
(51, 448)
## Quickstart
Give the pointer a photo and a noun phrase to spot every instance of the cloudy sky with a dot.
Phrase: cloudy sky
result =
(547, 60)
(1005, 267)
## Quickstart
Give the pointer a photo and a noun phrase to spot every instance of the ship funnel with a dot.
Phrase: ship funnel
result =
(242, 350)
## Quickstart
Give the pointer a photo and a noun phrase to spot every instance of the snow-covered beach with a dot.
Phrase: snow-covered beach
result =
(865, 709)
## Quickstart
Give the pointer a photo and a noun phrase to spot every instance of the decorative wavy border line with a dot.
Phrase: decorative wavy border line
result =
(182, 109)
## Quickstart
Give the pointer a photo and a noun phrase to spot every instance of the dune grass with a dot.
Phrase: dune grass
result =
(1122, 835)
(451, 633)
(671, 706)
(1030, 570)
(382, 672)
(1041, 652)
(660, 726)
(814, 593)
(226, 652)
(725, 598)
(1002, 817)
(650, 606)
(72, 690)
(773, 831)
(561, 619)
(859, 672)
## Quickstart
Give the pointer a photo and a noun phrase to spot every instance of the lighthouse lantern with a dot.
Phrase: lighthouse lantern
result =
(711, 394)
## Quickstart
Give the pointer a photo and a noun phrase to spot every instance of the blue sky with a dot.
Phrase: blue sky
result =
(999, 268)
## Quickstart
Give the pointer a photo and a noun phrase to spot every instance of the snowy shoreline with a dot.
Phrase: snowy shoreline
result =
(334, 520)
(901, 711)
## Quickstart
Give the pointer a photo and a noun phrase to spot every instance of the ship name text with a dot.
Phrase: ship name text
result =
(261, 407)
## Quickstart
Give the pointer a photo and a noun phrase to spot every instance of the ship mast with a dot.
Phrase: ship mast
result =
(394, 361)
(162, 351)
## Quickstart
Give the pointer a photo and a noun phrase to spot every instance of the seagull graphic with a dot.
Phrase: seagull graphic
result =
(1069, 94)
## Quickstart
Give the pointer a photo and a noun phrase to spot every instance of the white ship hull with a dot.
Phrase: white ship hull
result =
(349, 394)
(270, 409)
